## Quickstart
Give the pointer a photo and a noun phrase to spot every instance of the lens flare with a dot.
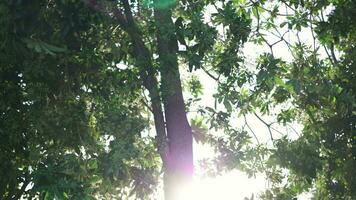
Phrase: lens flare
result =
(230, 186)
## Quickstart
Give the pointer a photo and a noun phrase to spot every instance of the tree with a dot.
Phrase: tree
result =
(75, 75)
(50, 135)
(315, 89)
(174, 135)
(61, 101)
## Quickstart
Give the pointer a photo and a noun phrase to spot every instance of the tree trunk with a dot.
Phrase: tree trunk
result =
(179, 166)
(174, 134)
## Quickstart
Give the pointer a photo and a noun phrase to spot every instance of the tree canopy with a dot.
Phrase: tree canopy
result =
(92, 106)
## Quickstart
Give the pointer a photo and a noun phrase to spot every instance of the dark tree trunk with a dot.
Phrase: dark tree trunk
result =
(179, 166)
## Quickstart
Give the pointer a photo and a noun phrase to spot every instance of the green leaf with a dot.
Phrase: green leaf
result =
(227, 105)
(283, 24)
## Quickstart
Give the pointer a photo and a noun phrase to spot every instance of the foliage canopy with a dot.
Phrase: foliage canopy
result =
(81, 83)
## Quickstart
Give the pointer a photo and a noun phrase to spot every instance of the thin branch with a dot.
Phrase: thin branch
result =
(291, 127)
(146, 104)
(253, 133)
(328, 54)
(332, 50)
(275, 128)
(288, 44)
(267, 43)
(276, 42)
(258, 20)
(209, 74)
(270, 45)
(290, 7)
(298, 38)
(312, 33)
(265, 123)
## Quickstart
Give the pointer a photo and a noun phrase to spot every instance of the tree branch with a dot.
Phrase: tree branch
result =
(253, 133)
(143, 61)
(209, 74)
(265, 123)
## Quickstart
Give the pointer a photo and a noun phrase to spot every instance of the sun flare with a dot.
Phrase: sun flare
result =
(230, 186)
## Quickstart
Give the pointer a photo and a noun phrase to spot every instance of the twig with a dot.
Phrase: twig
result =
(209, 74)
(291, 127)
(265, 123)
(253, 133)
